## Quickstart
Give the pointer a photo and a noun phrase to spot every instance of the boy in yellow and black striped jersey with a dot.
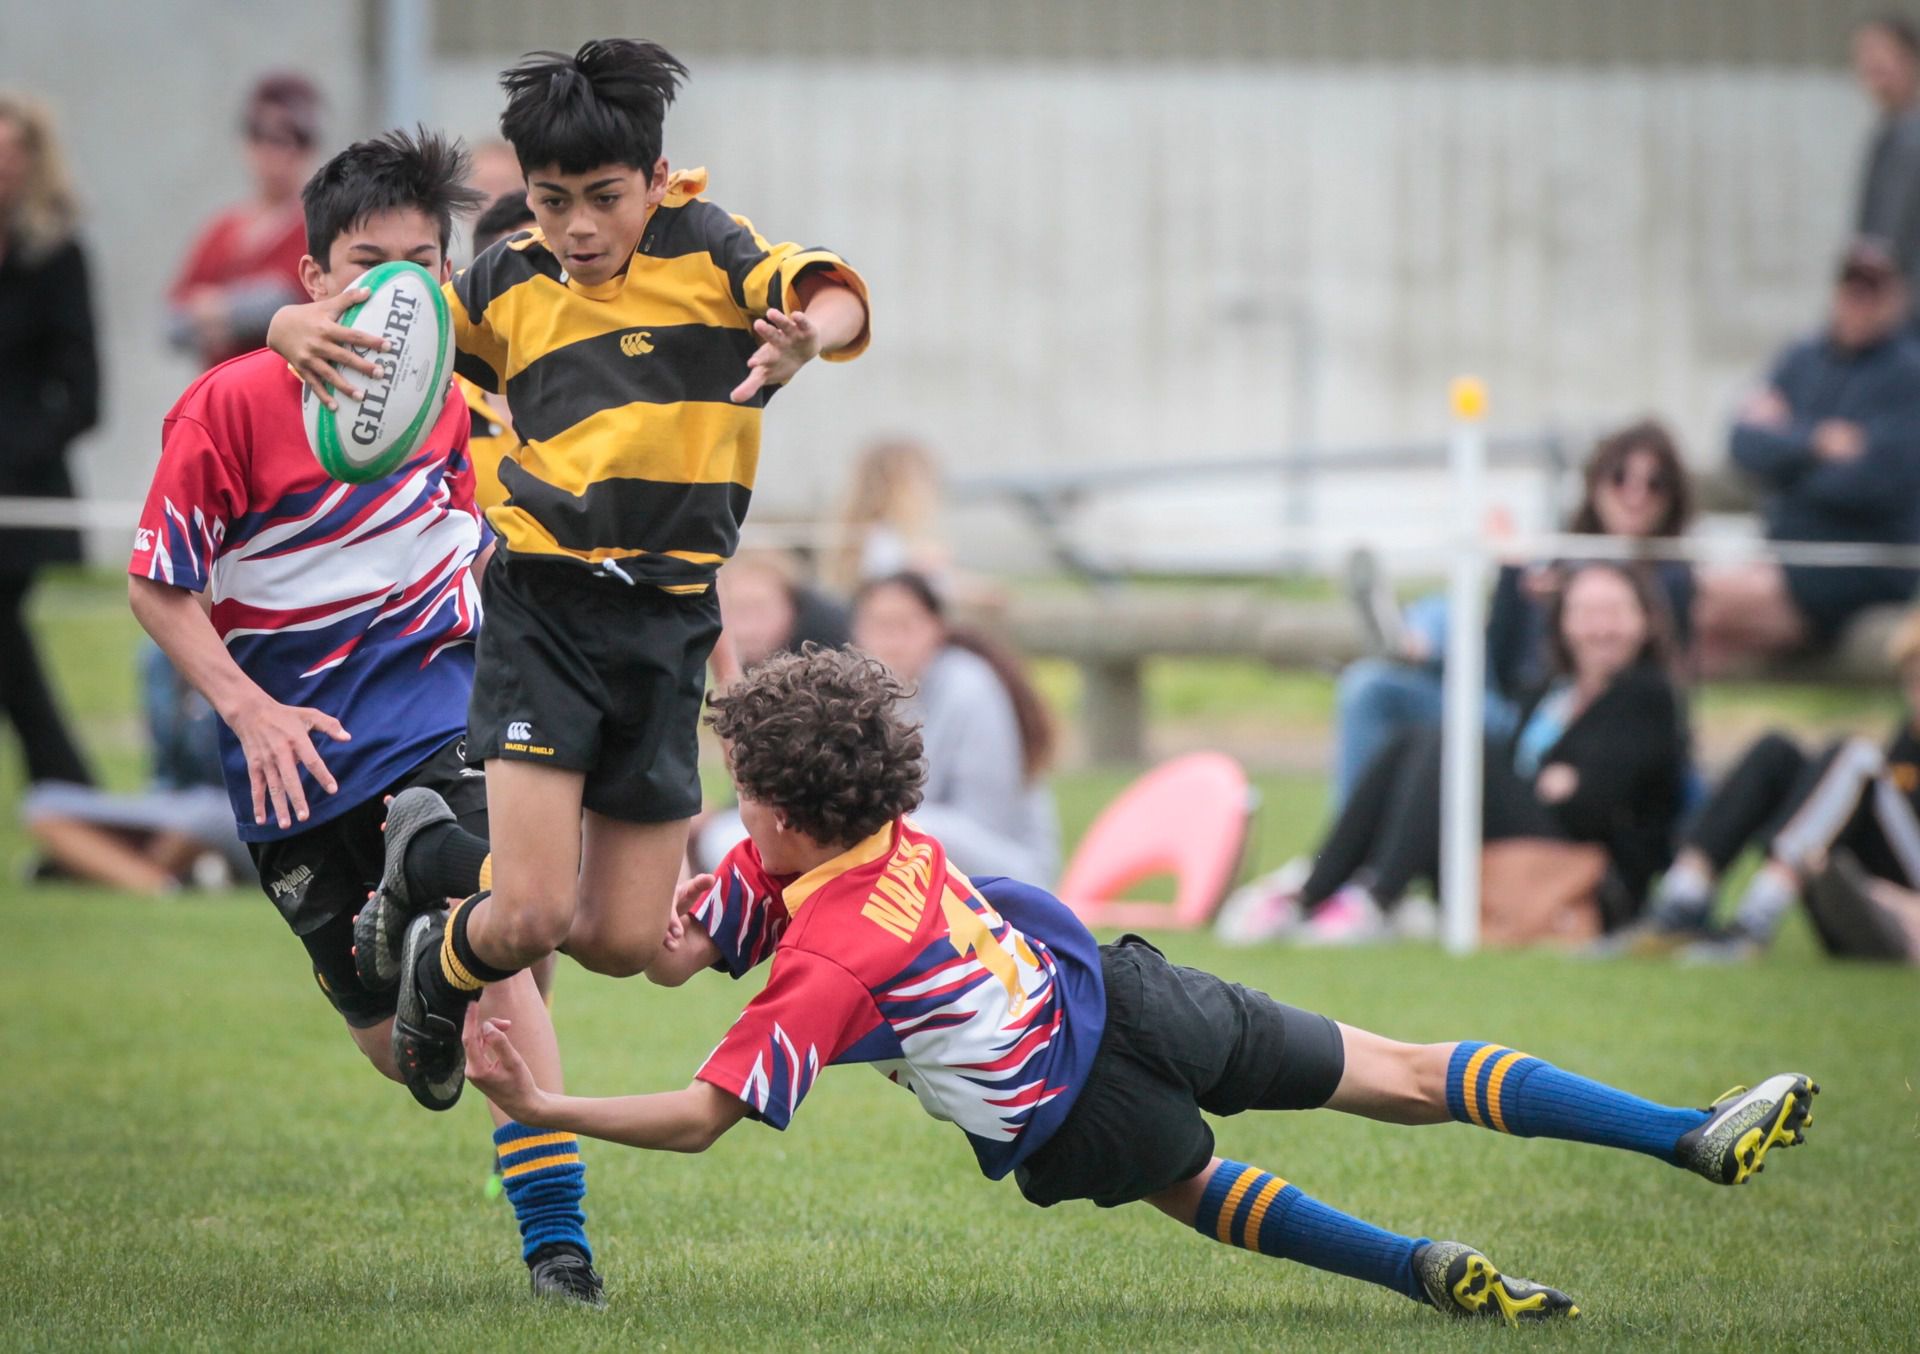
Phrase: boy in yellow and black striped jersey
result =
(637, 333)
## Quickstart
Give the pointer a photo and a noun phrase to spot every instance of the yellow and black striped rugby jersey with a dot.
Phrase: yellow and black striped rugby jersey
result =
(629, 450)
(489, 443)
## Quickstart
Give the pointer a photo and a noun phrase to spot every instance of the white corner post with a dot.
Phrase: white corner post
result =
(1464, 683)
(406, 52)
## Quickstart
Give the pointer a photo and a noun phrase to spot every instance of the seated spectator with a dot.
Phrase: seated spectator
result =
(496, 172)
(178, 831)
(1834, 440)
(1860, 916)
(987, 733)
(1799, 809)
(767, 608)
(890, 521)
(1636, 486)
(1597, 756)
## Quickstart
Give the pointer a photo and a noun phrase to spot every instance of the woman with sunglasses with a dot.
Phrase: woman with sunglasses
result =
(1634, 485)
(245, 263)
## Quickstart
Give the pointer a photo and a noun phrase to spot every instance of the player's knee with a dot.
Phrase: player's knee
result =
(614, 956)
(529, 926)
(1361, 686)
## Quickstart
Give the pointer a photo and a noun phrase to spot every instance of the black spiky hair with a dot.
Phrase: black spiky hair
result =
(421, 170)
(603, 105)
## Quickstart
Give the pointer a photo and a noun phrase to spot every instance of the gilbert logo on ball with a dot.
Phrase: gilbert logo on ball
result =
(366, 439)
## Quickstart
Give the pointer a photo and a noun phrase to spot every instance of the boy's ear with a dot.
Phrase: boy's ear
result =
(313, 277)
(657, 185)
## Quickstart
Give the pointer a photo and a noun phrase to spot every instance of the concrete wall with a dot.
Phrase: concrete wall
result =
(1085, 255)
(1087, 264)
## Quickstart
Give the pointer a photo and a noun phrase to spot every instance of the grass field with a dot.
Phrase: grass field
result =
(191, 1156)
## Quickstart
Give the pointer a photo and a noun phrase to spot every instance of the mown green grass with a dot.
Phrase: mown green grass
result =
(192, 1156)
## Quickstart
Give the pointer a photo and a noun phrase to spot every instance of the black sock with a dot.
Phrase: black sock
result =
(453, 975)
(445, 861)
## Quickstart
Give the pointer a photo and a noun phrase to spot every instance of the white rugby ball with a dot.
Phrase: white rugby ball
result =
(367, 438)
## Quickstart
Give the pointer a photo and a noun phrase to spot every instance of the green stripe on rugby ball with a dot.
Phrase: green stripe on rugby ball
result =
(323, 424)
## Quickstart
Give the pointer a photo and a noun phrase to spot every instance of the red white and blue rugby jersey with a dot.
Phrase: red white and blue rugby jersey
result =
(355, 599)
(986, 1003)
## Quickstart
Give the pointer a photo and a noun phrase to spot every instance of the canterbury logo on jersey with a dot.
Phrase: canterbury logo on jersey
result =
(638, 342)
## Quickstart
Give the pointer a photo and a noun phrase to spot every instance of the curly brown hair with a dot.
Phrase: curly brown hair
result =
(818, 737)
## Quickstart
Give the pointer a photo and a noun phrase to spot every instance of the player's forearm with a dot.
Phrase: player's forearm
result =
(838, 315)
(174, 618)
(694, 953)
(670, 1121)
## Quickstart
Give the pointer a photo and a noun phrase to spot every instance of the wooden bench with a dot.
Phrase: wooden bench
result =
(1109, 633)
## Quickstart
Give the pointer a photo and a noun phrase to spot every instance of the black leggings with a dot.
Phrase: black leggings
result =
(27, 700)
(1793, 807)
(1390, 826)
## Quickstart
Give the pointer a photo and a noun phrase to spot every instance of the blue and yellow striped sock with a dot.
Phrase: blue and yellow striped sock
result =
(1498, 1088)
(1244, 1206)
(546, 1181)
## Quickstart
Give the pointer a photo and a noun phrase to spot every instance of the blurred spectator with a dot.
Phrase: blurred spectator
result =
(1834, 440)
(1861, 916)
(1635, 486)
(1886, 61)
(178, 831)
(49, 395)
(245, 263)
(496, 172)
(1597, 756)
(491, 439)
(1799, 809)
(890, 521)
(768, 608)
(987, 735)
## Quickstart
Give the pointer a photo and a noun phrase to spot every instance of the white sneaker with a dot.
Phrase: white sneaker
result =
(1266, 909)
(1350, 917)
(1416, 919)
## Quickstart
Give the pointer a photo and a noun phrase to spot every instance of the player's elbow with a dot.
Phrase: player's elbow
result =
(146, 597)
(664, 972)
(701, 1135)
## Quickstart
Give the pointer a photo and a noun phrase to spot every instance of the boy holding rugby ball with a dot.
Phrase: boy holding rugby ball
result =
(297, 604)
(637, 333)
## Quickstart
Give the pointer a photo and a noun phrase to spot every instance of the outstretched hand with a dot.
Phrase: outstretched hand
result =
(787, 343)
(496, 1067)
(684, 898)
(277, 740)
(320, 349)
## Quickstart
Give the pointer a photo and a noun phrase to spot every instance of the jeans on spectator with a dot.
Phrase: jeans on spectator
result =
(1377, 700)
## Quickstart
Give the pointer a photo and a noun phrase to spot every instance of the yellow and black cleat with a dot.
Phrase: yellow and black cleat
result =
(1731, 1147)
(1461, 1281)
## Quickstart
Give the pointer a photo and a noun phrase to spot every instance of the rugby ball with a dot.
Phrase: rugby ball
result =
(367, 438)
